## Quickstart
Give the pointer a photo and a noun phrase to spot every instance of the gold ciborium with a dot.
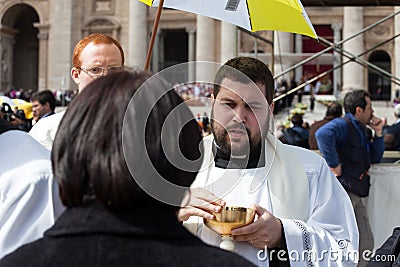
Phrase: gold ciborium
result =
(228, 219)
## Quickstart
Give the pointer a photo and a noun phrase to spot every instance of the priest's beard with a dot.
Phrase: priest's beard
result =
(250, 149)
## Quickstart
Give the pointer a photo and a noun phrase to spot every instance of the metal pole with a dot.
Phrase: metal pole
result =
(334, 68)
(339, 43)
(359, 60)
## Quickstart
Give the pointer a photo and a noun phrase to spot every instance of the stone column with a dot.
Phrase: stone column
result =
(7, 54)
(283, 45)
(337, 60)
(191, 53)
(43, 37)
(137, 50)
(353, 73)
(298, 49)
(396, 50)
(60, 45)
(158, 52)
(205, 46)
(228, 41)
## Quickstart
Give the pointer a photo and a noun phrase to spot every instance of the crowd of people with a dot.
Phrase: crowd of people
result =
(43, 104)
(290, 135)
(32, 106)
(124, 176)
(193, 90)
(20, 94)
(322, 86)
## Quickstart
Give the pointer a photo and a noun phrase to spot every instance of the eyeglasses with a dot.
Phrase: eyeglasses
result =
(99, 71)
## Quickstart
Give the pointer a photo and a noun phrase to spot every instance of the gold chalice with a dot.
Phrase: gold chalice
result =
(228, 219)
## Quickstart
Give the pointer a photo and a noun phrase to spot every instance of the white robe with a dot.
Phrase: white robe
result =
(328, 229)
(44, 131)
(29, 199)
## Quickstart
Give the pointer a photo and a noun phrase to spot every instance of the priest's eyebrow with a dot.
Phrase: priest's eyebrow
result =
(227, 99)
(255, 104)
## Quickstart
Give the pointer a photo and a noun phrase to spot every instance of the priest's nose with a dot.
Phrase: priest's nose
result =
(240, 114)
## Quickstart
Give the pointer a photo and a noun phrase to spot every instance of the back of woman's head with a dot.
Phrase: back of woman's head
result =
(106, 127)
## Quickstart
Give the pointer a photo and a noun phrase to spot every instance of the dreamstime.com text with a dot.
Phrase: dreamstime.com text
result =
(323, 255)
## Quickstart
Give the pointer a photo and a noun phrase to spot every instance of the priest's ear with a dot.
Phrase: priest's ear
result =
(212, 98)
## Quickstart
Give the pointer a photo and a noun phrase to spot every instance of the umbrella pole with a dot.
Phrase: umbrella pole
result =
(153, 34)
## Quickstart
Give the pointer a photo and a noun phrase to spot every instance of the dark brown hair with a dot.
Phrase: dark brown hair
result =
(354, 99)
(44, 97)
(252, 68)
(88, 153)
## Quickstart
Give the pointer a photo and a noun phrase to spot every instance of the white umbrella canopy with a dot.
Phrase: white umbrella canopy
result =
(252, 15)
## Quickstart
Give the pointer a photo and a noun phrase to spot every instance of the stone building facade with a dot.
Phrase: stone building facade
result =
(37, 38)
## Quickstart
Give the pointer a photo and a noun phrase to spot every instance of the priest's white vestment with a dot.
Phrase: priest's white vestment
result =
(297, 186)
(29, 197)
(44, 131)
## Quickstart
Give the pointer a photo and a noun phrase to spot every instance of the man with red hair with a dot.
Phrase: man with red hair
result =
(94, 56)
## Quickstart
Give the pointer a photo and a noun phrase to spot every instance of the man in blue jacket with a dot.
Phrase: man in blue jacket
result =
(349, 151)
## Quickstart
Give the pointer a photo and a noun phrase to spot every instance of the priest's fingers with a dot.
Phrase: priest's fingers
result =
(253, 239)
(253, 227)
(266, 230)
(242, 233)
(257, 244)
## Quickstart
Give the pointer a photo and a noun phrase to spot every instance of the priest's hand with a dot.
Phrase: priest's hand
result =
(200, 202)
(266, 231)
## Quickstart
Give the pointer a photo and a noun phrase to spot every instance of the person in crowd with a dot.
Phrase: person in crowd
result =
(349, 151)
(312, 99)
(200, 122)
(111, 219)
(300, 92)
(29, 201)
(43, 104)
(334, 110)
(298, 134)
(94, 56)
(206, 122)
(17, 119)
(289, 98)
(325, 87)
(291, 189)
(392, 133)
(6, 112)
(293, 84)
